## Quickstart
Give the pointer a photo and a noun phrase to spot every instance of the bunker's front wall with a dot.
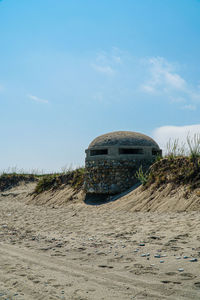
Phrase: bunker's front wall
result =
(112, 176)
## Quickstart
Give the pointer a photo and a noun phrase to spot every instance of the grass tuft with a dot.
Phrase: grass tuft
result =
(142, 176)
(194, 146)
(174, 149)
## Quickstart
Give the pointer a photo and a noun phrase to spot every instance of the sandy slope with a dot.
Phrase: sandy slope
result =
(167, 198)
(70, 250)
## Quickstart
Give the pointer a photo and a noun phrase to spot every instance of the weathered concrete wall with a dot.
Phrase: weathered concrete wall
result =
(112, 160)
(112, 176)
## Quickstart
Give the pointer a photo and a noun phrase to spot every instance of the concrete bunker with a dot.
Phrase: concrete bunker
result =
(112, 160)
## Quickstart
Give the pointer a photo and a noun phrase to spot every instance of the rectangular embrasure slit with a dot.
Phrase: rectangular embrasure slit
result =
(131, 151)
(98, 152)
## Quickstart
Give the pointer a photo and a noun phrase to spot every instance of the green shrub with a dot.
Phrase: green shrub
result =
(142, 176)
(45, 183)
(77, 178)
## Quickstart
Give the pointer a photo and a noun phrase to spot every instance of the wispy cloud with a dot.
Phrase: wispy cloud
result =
(163, 134)
(189, 107)
(138, 77)
(177, 99)
(107, 62)
(103, 69)
(37, 99)
(163, 79)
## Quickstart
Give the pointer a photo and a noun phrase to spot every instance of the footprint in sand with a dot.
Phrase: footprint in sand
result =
(105, 266)
(36, 281)
(170, 273)
(166, 281)
(187, 276)
(176, 282)
(22, 274)
(197, 285)
(57, 286)
(69, 284)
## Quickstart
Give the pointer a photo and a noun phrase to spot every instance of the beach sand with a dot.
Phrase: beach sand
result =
(58, 247)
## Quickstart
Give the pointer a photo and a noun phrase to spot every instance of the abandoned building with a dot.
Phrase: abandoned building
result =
(112, 160)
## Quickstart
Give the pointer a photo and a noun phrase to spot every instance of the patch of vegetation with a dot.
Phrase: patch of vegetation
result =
(177, 170)
(174, 149)
(77, 178)
(10, 180)
(142, 176)
(180, 166)
(48, 182)
(194, 147)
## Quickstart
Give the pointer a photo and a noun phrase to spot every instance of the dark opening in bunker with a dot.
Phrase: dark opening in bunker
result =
(99, 152)
(156, 152)
(131, 151)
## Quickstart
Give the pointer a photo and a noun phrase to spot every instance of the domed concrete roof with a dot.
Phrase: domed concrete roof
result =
(124, 138)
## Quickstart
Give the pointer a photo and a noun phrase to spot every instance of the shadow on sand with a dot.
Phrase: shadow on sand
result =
(100, 199)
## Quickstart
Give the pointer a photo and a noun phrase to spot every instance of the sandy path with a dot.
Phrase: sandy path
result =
(63, 274)
(95, 252)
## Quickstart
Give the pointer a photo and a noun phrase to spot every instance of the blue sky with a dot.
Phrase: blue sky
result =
(71, 70)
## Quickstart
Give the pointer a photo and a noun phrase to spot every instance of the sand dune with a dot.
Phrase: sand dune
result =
(55, 246)
(167, 198)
